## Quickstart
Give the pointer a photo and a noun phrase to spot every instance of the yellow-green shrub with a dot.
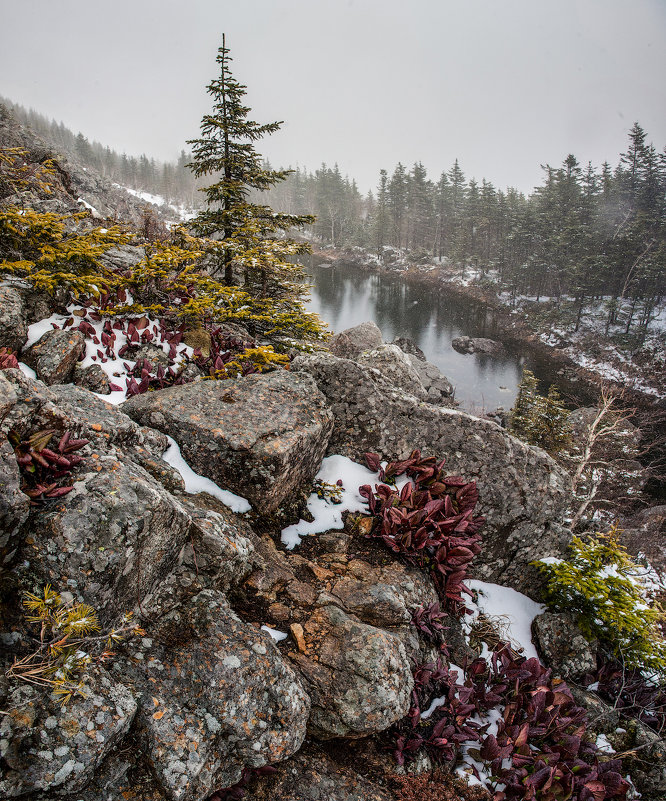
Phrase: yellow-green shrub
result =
(604, 586)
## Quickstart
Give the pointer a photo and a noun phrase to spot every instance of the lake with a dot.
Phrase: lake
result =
(344, 296)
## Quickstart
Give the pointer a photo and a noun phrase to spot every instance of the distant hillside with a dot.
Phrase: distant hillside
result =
(84, 182)
(171, 181)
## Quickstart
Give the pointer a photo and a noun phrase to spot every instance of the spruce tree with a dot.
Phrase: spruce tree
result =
(244, 232)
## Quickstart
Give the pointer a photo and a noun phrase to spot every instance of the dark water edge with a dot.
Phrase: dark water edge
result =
(345, 296)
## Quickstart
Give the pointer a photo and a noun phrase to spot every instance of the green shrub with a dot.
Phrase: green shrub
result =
(605, 587)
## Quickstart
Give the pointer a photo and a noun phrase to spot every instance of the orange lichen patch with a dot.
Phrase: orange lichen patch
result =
(297, 633)
(364, 524)
(320, 572)
(70, 727)
(96, 427)
(155, 701)
(159, 715)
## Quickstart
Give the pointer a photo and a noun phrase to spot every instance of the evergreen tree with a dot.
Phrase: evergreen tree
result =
(244, 231)
(539, 420)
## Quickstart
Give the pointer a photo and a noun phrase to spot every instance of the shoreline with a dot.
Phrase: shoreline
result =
(516, 330)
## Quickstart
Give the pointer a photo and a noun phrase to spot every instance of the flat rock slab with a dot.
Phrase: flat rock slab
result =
(261, 436)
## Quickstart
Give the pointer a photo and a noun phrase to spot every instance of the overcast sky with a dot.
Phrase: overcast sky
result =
(502, 85)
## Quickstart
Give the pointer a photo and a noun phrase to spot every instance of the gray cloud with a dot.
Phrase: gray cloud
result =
(502, 85)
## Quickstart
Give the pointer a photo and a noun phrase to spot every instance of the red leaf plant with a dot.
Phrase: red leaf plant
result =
(44, 469)
(430, 521)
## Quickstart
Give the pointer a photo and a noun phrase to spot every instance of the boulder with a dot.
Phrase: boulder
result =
(477, 345)
(262, 436)
(55, 354)
(396, 367)
(358, 676)
(437, 386)
(522, 490)
(56, 749)
(354, 341)
(14, 504)
(383, 596)
(153, 354)
(562, 646)
(8, 396)
(110, 540)
(409, 346)
(123, 257)
(13, 318)
(216, 697)
(93, 378)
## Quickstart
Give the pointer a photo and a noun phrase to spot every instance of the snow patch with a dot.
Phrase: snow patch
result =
(194, 483)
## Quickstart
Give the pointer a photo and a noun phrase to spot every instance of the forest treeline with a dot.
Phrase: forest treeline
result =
(584, 237)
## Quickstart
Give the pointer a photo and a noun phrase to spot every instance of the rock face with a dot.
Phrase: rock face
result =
(477, 345)
(217, 697)
(402, 363)
(437, 386)
(358, 676)
(54, 355)
(396, 367)
(522, 490)
(92, 378)
(13, 322)
(50, 747)
(409, 346)
(14, 505)
(562, 646)
(262, 436)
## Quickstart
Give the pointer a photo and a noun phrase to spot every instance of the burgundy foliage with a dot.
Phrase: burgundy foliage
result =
(430, 522)
(539, 749)
(628, 691)
(7, 359)
(138, 331)
(44, 469)
(429, 620)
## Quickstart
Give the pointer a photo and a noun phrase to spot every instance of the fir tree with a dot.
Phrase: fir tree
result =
(244, 231)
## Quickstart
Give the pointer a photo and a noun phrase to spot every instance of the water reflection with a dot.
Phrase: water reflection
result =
(344, 297)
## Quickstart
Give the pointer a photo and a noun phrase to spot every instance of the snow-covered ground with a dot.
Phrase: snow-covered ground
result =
(183, 213)
(589, 347)
(114, 365)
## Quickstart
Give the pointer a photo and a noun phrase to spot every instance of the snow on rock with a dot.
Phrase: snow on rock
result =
(194, 483)
(515, 608)
(27, 371)
(113, 366)
(327, 515)
(277, 635)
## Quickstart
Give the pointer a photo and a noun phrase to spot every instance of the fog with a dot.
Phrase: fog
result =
(502, 86)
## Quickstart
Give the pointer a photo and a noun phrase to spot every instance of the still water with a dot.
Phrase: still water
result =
(344, 296)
